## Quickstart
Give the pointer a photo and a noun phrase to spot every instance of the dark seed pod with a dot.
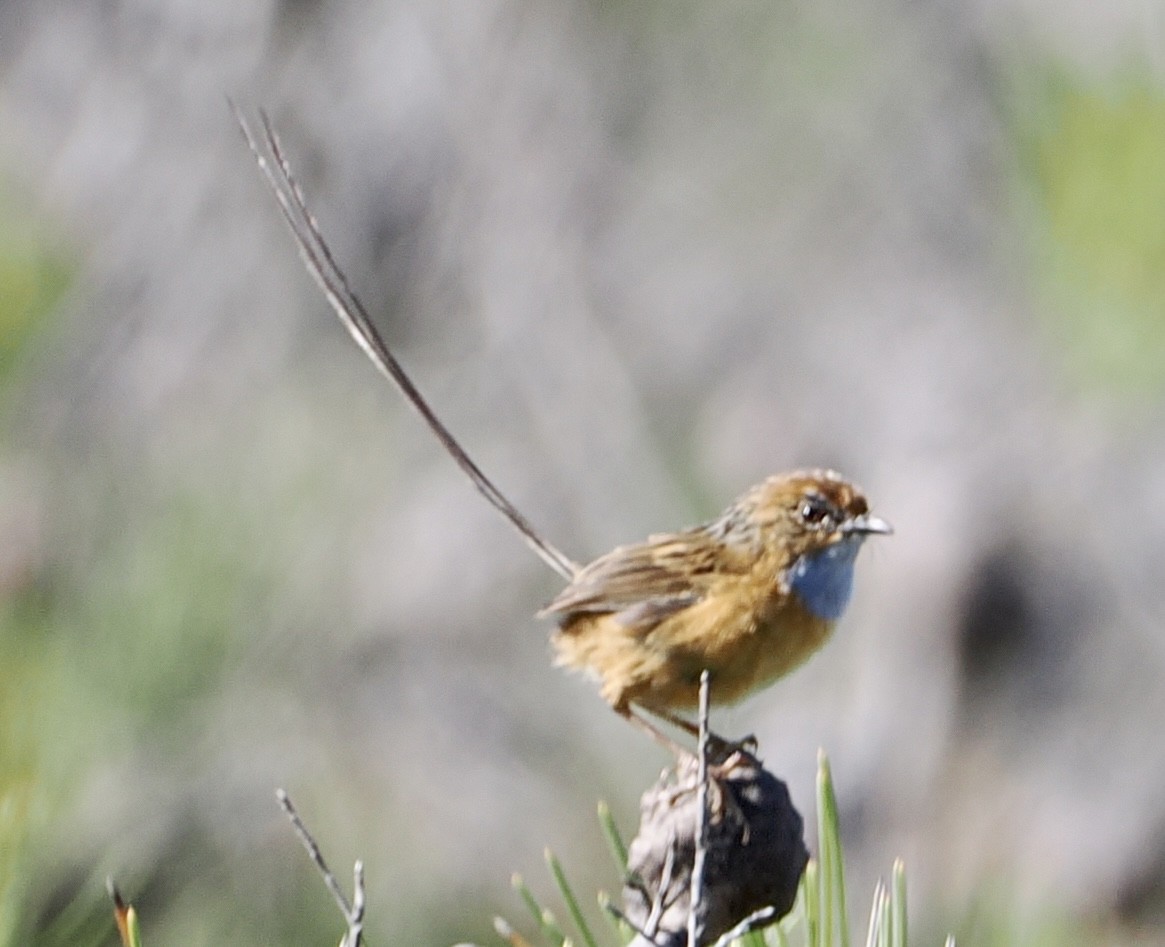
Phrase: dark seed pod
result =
(755, 856)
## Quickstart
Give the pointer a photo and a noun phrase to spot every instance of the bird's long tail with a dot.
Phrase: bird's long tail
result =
(322, 266)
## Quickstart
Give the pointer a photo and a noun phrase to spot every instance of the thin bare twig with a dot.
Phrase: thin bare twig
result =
(353, 912)
(696, 911)
(356, 920)
(755, 920)
(660, 902)
(616, 912)
(322, 266)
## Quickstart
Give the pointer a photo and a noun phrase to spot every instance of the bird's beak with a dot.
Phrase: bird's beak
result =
(866, 525)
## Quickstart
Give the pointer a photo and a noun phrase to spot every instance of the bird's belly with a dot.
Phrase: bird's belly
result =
(661, 669)
(745, 655)
(777, 647)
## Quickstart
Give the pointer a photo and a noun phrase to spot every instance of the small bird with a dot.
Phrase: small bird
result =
(749, 596)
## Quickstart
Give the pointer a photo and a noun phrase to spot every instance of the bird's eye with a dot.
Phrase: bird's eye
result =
(815, 510)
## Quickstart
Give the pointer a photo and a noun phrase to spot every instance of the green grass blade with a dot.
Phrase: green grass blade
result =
(898, 905)
(528, 898)
(812, 889)
(887, 923)
(611, 832)
(135, 931)
(825, 851)
(551, 929)
(781, 938)
(543, 917)
(570, 900)
(834, 908)
(824, 875)
(795, 920)
(751, 939)
(621, 930)
(877, 916)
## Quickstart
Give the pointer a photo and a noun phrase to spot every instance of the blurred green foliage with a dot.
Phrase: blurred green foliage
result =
(1092, 166)
(996, 919)
(34, 275)
(101, 657)
(116, 626)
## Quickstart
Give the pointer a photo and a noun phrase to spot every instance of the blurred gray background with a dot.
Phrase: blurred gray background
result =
(639, 255)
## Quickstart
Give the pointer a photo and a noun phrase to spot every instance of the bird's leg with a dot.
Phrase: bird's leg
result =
(724, 755)
(722, 748)
(646, 726)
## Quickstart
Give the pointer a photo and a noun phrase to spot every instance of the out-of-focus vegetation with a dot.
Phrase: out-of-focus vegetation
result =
(1091, 156)
(34, 274)
(107, 651)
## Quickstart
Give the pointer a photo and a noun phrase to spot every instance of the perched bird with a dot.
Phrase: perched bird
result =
(749, 596)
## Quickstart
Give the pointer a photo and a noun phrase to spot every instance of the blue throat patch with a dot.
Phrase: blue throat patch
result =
(824, 580)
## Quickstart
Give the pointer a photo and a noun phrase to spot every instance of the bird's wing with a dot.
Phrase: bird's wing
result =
(644, 583)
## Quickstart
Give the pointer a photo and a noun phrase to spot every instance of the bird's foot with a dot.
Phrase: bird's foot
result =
(723, 754)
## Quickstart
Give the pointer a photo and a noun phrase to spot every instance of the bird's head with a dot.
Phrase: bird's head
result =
(805, 511)
(815, 521)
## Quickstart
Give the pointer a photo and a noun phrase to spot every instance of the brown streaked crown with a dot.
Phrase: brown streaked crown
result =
(807, 509)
